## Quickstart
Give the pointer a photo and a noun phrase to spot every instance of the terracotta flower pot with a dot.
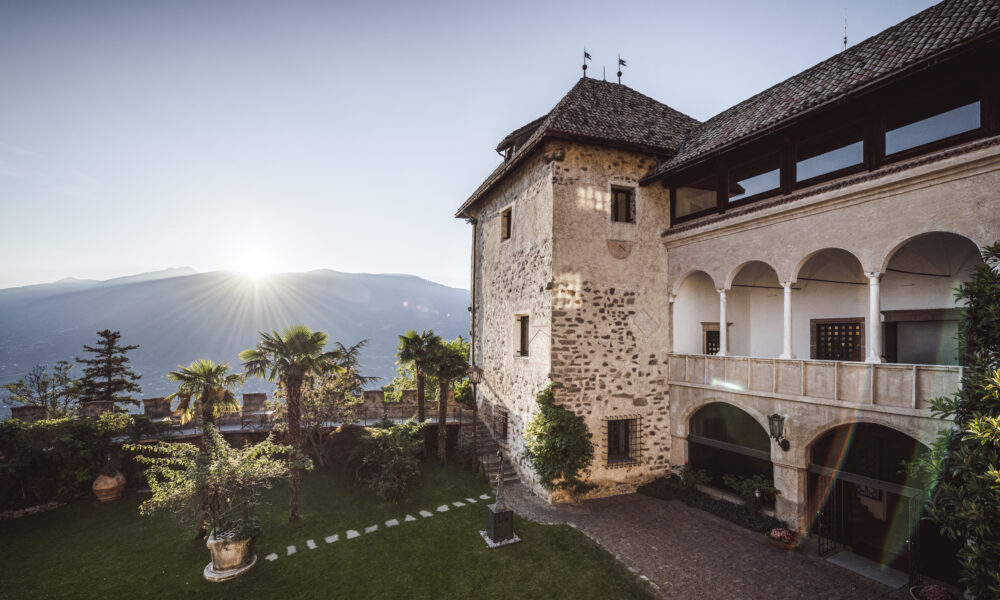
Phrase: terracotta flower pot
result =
(230, 558)
(109, 487)
(780, 544)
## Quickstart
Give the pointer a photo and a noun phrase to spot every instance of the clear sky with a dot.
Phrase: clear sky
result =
(290, 136)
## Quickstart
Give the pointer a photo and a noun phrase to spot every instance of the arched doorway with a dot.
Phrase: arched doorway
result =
(861, 496)
(696, 315)
(725, 440)
(831, 303)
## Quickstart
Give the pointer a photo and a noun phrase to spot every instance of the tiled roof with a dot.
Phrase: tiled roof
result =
(930, 32)
(604, 112)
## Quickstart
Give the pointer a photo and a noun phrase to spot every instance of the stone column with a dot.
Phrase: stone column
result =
(678, 450)
(723, 329)
(790, 504)
(786, 351)
(874, 319)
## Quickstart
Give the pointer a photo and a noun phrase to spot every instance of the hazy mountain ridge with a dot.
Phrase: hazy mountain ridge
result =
(177, 316)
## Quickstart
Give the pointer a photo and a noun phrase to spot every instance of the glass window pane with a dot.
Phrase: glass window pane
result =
(940, 126)
(828, 162)
(691, 200)
(756, 184)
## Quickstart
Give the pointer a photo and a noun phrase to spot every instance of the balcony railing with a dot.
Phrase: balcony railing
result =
(889, 385)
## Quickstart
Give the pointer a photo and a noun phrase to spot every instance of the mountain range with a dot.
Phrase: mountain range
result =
(179, 315)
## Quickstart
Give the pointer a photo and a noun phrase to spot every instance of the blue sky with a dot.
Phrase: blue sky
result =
(136, 136)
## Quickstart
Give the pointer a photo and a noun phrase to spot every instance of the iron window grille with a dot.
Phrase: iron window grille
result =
(523, 335)
(623, 441)
(502, 424)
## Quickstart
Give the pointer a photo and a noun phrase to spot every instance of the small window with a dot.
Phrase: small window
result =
(522, 335)
(830, 153)
(710, 340)
(623, 441)
(938, 127)
(505, 224)
(698, 196)
(622, 206)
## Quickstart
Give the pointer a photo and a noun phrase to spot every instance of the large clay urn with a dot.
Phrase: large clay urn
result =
(109, 487)
(229, 557)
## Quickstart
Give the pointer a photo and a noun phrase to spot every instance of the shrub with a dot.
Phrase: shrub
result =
(386, 458)
(755, 491)
(54, 460)
(672, 488)
(559, 445)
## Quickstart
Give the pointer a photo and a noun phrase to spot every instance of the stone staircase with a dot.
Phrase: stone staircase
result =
(486, 450)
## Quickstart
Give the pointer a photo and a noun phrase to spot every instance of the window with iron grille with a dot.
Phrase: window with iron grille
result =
(522, 332)
(624, 443)
(838, 339)
(712, 343)
(505, 224)
(622, 206)
(501, 425)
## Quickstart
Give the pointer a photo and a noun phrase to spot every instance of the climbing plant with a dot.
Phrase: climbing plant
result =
(559, 445)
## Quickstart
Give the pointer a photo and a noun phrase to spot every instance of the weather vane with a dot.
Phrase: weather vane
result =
(586, 57)
(621, 65)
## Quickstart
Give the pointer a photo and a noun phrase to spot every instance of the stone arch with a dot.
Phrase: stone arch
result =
(734, 273)
(680, 280)
(683, 416)
(805, 259)
(901, 241)
(802, 441)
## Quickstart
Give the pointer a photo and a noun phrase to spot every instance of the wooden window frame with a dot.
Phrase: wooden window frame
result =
(522, 335)
(813, 339)
(630, 208)
(506, 223)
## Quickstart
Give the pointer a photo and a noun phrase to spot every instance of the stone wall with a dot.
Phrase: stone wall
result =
(610, 317)
(514, 278)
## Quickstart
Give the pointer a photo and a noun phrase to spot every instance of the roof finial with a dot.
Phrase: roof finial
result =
(845, 29)
(621, 65)
(586, 57)
(604, 73)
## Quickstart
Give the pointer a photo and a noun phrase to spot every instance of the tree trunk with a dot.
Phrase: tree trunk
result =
(420, 396)
(443, 421)
(293, 388)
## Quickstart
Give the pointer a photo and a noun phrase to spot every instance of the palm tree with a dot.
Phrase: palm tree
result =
(289, 357)
(211, 387)
(418, 350)
(449, 363)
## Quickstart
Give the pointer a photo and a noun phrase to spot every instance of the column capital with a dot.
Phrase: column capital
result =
(722, 291)
(873, 275)
(786, 284)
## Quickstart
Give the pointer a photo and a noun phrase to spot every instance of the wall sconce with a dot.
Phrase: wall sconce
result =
(777, 424)
(475, 374)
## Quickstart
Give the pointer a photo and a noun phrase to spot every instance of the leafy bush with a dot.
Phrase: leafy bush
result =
(691, 478)
(673, 488)
(55, 460)
(755, 491)
(386, 458)
(559, 445)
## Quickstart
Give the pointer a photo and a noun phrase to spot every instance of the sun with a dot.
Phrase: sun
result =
(254, 267)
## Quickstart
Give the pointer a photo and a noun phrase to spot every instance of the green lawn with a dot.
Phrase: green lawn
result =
(92, 550)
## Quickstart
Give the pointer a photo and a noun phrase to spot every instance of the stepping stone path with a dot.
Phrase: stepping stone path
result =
(352, 533)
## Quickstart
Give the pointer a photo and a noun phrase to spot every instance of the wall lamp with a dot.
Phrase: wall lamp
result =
(777, 424)
(475, 374)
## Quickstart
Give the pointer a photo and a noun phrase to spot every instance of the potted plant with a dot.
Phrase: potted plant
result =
(782, 538)
(216, 490)
(931, 592)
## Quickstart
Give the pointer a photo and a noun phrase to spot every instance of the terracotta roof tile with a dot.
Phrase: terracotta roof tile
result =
(930, 32)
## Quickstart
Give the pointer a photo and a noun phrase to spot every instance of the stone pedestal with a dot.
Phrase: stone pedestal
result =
(499, 523)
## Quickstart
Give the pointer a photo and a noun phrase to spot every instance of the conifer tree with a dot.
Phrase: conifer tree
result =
(108, 376)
